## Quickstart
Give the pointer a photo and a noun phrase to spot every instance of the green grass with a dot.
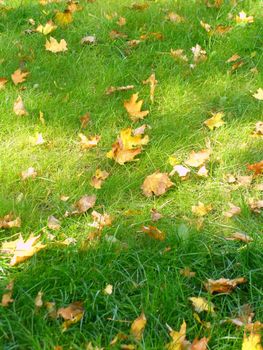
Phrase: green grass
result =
(72, 83)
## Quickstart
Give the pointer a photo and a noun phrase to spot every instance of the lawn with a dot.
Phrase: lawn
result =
(147, 272)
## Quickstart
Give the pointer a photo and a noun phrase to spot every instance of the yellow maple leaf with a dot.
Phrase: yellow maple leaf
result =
(134, 108)
(64, 18)
(201, 209)
(156, 183)
(216, 121)
(138, 326)
(48, 28)
(242, 18)
(252, 342)
(178, 338)
(19, 77)
(152, 82)
(54, 46)
(259, 94)
(201, 304)
(197, 159)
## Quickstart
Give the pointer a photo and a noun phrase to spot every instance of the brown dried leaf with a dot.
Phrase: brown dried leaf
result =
(53, 223)
(179, 55)
(156, 183)
(8, 221)
(256, 167)
(100, 220)
(255, 205)
(19, 77)
(115, 34)
(155, 216)
(238, 236)
(152, 82)
(98, 179)
(154, 232)
(19, 107)
(121, 21)
(87, 143)
(110, 90)
(3, 81)
(54, 46)
(223, 285)
(84, 204)
(258, 129)
(29, 173)
(233, 58)
(138, 326)
(201, 209)
(234, 210)
(197, 159)
(134, 108)
(7, 296)
(186, 272)
(38, 300)
(73, 313)
(174, 17)
(84, 120)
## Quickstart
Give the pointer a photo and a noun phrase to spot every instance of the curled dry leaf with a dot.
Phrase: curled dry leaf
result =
(134, 108)
(154, 232)
(84, 204)
(88, 40)
(152, 82)
(238, 236)
(256, 167)
(3, 81)
(181, 171)
(87, 143)
(127, 146)
(19, 77)
(233, 58)
(8, 221)
(201, 304)
(156, 183)
(152, 35)
(100, 220)
(48, 28)
(7, 296)
(197, 159)
(53, 223)
(84, 120)
(22, 250)
(133, 43)
(138, 326)
(54, 46)
(29, 173)
(216, 120)
(71, 314)
(223, 285)
(179, 55)
(207, 27)
(259, 94)
(98, 178)
(155, 216)
(255, 205)
(51, 309)
(110, 90)
(19, 107)
(201, 209)
(234, 210)
(199, 54)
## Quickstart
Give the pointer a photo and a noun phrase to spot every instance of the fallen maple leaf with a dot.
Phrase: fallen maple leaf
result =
(256, 167)
(8, 221)
(38, 300)
(53, 223)
(98, 178)
(152, 82)
(200, 344)
(201, 209)
(174, 17)
(197, 159)
(186, 272)
(85, 203)
(54, 46)
(252, 342)
(216, 120)
(178, 341)
(154, 232)
(223, 285)
(19, 107)
(134, 108)
(110, 90)
(121, 21)
(155, 216)
(259, 94)
(84, 120)
(108, 289)
(48, 28)
(156, 183)
(202, 172)
(258, 129)
(22, 250)
(127, 146)
(179, 55)
(64, 18)
(29, 173)
(233, 58)
(71, 314)
(100, 220)
(234, 210)
(207, 27)
(115, 34)
(255, 205)
(199, 53)
(201, 304)
(242, 18)
(87, 143)
(181, 171)
(7, 296)
(3, 81)
(19, 77)
(138, 326)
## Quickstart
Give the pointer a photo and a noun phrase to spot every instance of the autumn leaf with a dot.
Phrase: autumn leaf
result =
(100, 220)
(8, 221)
(223, 285)
(121, 21)
(178, 339)
(115, 34)
(216, 120)
(199, 53)
(88, 40)
(54, 46)
(110, 90)
(71, 314)
(179, 55)
(155, 216)
(258, 129)
(156, 183)
(186, 272)
(108, 289)
(7, 296)
(152, 82)
(252, 342)
(181, 171)
(233, 58)
(242, 18)
(259, 94)
(255, 205)
(85, 203)
(256, 167)
(98, 178)
(154, 232)
(202, 172)
(22, 250)
(197, 159)
(19, 77)
(234, 210)
(29, 173)
(127, 146)
(3, 81)
(201, 209)
(64, 18)
(87, 143)
(138, 326)
(48, 28)
(19, 107)
(174, 17)
(84, 120)
(37, 139)
(53, 223)
(201, 304)
(134, 108)
(140, 7)
(38, 300)
(238, 236)
(206, 26)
